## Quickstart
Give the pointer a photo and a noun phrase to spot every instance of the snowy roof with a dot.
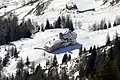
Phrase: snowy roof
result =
(71, 35)
(53, 41)
(57, 40)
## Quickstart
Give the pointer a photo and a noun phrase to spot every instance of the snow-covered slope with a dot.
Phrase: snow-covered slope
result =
(84, 38)
(58, 8)
(53, 10)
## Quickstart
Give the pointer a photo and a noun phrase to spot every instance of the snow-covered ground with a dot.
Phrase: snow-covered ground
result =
(55, 8)
(84, 37)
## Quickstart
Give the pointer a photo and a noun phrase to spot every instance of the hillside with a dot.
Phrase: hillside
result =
(89, 18)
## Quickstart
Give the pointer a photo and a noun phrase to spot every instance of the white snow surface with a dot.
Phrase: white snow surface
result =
(84, 37)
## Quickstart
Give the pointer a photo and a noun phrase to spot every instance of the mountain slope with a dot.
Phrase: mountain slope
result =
(51, 11)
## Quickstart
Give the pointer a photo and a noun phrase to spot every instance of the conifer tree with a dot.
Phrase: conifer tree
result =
(116, 36)
(47, 62)
(71, 26)
(51, 26)
(90, 50)
(109, 71)
(81, 72)
(42, 28)
(27, 61)
(58, 23)
(26, 75)
(64, 76)
(69, 58)
(63, 21)
(53, 74)
(19, 75)
(114, 24)
(65, 57)
(108, 40)
(33, 67)
(80, 51)
(39, 74)
(54, 61)
(102, 24)
(109, 25)
(84, 50)
(91, 62)
(12, 77)
(6, 59)
(1, 64)
(67, 24)
(16, 53)
(47, 25)
(20, 64)
(1, 68)
(105, 26)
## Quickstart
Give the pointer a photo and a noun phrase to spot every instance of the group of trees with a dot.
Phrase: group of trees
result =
(27, 71)
(91, 62)
(66, 58)
(10, 30)
(101, 26)
(110, 68)
(61, 22)
(117, 21)
(113, 2)
(11, 53)
(66, 22)
(103, 64)
(1, 67)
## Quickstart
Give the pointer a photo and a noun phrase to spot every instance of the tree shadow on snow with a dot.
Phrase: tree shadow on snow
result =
(67, 49)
